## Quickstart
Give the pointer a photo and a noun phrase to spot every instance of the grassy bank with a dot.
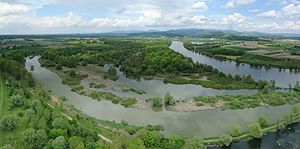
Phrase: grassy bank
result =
(290, 118)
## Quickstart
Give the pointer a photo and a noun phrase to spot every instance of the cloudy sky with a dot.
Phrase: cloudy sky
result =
(90, 16)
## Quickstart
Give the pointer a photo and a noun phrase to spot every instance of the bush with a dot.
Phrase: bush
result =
(255, 130)
(59, 143)
(8, 123)
(225, 140)
(235, 130)
(16, 101)
(128, 102)
(34, 139)
(169, 99)
(263, 122)
(58, 67)
(156, 102)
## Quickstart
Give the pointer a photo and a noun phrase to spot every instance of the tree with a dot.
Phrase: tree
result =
(263, 121)
(16, 101)
(157, 102)
(59, 143)
(54, 133)
(34, 139)
(194, 143)
(127, 142)
(255, 130)
(151, 139)
(59, 123)
(112, 73)
(58, 67)
(235, 130)
(75, 143)
(169, 99)
(8, 123)
(225, 140)
(175, 142)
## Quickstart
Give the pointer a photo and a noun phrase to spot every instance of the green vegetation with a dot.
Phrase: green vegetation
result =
(255, 130)
(94, 85)
(70, 77)
(105, 96)
(156, 101)
(169, 99)
(251, 100)
(111, 73)
(218, 82)
(138, 91)
(258, 60)
(128, 102)
(235, 130)
(141, 57)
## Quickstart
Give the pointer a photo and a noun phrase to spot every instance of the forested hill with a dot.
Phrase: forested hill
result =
(210, 33)
(199, 33)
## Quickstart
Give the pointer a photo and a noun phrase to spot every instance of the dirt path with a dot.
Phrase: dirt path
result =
(70, 118)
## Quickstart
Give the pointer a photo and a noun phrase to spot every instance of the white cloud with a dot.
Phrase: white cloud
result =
(235, 18)
(200, 5)
(291, 9)
(234, 3)
(71, 20)
(8, 9)
(269, 14)
(198, 19)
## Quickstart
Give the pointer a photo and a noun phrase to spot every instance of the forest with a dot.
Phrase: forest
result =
(142, 57)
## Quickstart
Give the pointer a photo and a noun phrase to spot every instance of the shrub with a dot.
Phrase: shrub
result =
(8, 123)
(16, 101)
(157, 102)
(58, 67)
(225, 140)
(263, 122)
(235, 130)
(128, 102)
(255, 130)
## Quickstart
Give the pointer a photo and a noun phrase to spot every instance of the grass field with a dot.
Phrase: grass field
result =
(3, 107)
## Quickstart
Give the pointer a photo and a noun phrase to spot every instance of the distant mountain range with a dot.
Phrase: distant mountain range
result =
(205, 33)
(200, 33)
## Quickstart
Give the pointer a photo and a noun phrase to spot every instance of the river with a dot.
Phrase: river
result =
(283, 78)
(207, 123)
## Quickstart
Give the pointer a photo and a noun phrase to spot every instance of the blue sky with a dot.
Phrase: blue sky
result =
(95, 16)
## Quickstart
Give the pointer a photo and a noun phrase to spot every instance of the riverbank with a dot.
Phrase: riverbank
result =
(253, 56)
(227, 139)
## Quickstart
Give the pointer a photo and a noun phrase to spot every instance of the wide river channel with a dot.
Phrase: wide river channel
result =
(207, 123)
